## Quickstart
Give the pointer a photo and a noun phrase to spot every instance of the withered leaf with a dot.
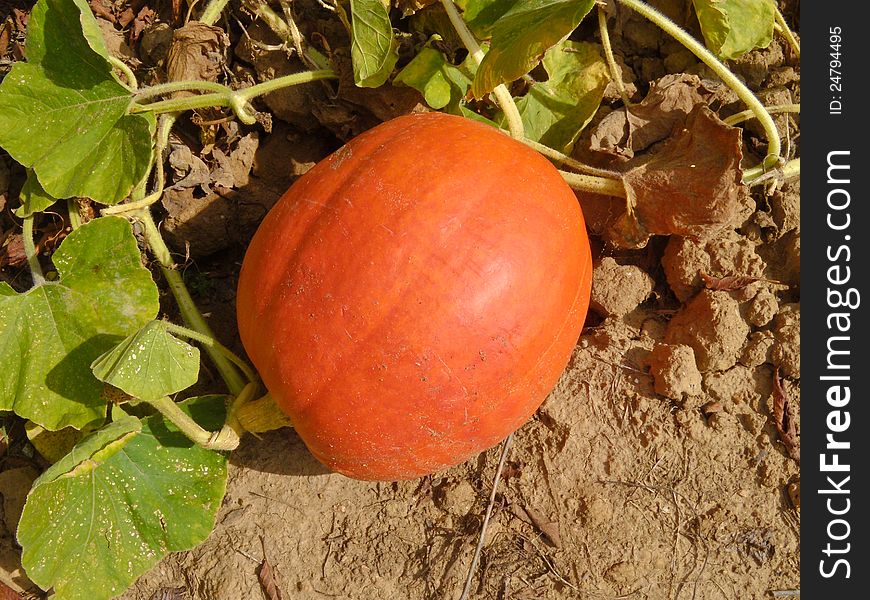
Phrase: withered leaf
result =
(12, 251)
(783, 420)
(548, 529)
(266, 577)
(627, 131)
(691, 186)
(103, 8)
(143, 18)
(7, 593)
(198, 52)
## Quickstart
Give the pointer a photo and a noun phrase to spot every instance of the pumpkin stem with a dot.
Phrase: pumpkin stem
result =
(261, 415)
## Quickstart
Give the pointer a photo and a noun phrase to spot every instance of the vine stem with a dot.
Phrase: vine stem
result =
(786, 31)
(163, 129)
(178, 86)
(502, 95)
(615, 72)
(213, 343)
(593, 184)
(774, 109)
(235, 99)
(213, 11)
(773, 142)
(227, 438)
(789, 171)
(191, 315)
(119, 64)
(30, 251)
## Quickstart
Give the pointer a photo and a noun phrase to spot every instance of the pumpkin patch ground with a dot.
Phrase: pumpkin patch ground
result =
(658, 468)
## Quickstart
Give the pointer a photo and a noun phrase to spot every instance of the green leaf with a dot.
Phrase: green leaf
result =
(50, 335)
(34, 199)
(482, 15)
(120, 501)
(555, 111)
(441, 83)
(522, 35)
(149, 364)
(64, 115)
(373, 50)
(731, 28)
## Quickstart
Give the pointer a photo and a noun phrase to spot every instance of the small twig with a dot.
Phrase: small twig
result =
(783, 593)
(505, 449)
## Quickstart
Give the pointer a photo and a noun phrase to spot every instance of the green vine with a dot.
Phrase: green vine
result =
(30, 251)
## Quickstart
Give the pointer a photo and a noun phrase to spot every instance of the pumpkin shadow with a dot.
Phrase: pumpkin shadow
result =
(281, 452)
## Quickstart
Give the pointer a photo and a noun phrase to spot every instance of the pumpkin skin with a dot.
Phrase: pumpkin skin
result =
(413, 298)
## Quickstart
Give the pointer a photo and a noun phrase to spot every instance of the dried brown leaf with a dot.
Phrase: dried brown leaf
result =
(691, 186)
(266, 576)
(103, 8)
(549, 529)
(5, 36)
(7, 593)
(625, 132)
(12, 252)
(21, 19)
(143, 18)
(198, 52)
(783, 420)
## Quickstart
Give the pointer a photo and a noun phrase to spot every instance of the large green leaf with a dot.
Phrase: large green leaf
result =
(555, 111)
(149, 364)
(731, 28)
(373, 50)
(120, 501)
(522, 35)
(50, 335)
(64, 115)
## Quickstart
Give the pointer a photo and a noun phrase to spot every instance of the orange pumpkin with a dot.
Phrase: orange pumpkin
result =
(413, 298)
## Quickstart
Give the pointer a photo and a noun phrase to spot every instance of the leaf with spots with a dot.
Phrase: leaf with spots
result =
(119, 502)
(50, 335)
(149, 364)
(63, 113)
(373, 49)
